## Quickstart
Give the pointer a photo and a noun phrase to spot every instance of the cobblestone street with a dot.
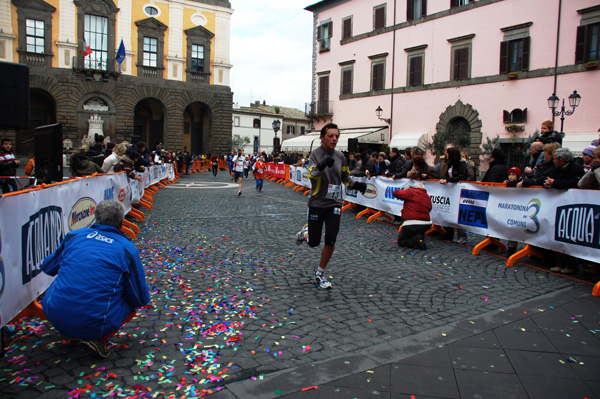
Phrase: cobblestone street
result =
(232, 298)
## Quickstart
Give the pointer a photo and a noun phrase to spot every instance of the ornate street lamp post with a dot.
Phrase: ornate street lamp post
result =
(553, 100)
(276, 126)
(378, 112)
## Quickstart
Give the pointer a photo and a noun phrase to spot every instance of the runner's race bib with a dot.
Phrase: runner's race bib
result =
(334, 191)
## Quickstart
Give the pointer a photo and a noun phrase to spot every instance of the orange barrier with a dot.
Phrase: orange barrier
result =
(146, 204)
(126, 230)
(527, 251)
(33, 309)
(136, 213)
(432, 229)
(131, 226)
(486, 242)
(348, 205)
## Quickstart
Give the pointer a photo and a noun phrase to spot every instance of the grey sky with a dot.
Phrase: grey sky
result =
(271, 52)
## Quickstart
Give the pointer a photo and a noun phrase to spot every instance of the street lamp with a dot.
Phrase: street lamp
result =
(276, 126)
(574, 100)
(378, 112)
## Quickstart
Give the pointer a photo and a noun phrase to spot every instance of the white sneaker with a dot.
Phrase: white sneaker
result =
(301, 235)
(321, 280)
(239, 193)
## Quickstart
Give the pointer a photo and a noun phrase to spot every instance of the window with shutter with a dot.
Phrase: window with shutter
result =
(347, 28)
(580, 45)
(514, 55)
(415, 71)
(377, 82)
(505, 116)
(379, 17)
(324, 33)
(461, 63)
(588, 43)
(323, 104)
(458, 3)
(516, 116)
(416, 9)
(347, 81)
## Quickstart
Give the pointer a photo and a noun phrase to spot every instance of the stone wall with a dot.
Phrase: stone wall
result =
(70, 90)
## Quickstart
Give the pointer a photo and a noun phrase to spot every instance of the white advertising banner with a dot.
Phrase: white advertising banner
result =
(33, 224)
(566, 221)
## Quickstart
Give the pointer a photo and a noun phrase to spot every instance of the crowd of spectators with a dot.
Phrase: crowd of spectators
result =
(548, 165)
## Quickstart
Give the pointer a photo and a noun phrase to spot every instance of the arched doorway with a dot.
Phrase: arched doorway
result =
(460, 125)
(149, 122)
(197, 122)
(42, 111)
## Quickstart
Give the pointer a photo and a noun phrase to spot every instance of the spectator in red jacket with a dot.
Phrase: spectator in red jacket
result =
(415, 213)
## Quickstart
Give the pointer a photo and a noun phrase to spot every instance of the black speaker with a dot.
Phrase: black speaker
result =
(14, 101)
(48, 153)
(352, 145)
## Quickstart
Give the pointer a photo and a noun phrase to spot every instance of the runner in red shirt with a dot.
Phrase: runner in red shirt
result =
(259, 173)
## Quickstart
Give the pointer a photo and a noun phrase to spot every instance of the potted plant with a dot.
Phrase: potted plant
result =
(513, 129)
(513, 75)
(591, 64)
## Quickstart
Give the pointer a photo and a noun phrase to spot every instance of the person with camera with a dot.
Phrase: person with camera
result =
(415, 214)
(328, 172)
(100, 281)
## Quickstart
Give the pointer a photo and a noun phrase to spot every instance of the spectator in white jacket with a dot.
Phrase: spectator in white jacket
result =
(113, 159)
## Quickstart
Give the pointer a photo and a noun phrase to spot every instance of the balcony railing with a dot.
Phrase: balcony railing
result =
(35, 59)
(150, 72)
(198, 77)
(318, 108)
(96, 68)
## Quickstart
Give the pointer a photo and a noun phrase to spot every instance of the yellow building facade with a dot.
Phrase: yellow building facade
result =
(150, 70)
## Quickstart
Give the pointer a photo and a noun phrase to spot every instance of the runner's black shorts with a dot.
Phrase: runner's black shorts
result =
(316, 217)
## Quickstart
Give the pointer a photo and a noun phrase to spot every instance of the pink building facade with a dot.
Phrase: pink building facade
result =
(464, 67)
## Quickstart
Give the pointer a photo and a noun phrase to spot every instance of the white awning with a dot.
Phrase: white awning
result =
(576, 142)
(405, 140)
(377, 135)
(302, 143)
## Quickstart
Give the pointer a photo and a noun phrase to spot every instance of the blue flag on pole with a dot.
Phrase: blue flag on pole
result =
(120, 53)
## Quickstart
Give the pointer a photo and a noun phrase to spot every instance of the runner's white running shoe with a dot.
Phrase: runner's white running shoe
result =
(301, 235)
(321, 280)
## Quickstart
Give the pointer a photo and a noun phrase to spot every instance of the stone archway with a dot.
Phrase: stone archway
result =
(149, 117)
(197, 125)
(455, 118)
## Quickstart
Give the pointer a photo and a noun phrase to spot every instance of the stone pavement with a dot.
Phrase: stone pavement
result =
(235, 314)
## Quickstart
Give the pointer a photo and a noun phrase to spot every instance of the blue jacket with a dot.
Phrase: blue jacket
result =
(100, 281)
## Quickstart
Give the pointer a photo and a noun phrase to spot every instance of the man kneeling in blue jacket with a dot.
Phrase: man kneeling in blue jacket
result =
(100, 281)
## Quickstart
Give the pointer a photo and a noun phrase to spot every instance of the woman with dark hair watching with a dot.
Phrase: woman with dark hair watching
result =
(457, 168)
(82, 166)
